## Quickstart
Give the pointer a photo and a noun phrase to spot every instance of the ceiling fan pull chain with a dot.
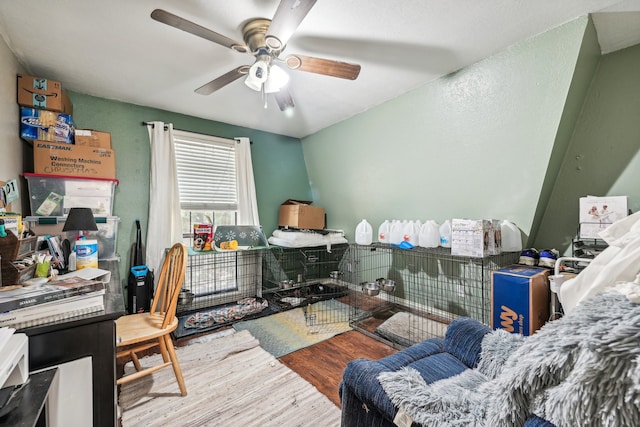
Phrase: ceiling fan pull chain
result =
(264, 97)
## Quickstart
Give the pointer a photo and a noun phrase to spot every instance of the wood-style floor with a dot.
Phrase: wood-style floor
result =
(322, 364)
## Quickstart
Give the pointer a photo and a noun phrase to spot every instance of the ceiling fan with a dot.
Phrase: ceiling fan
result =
(266, 40)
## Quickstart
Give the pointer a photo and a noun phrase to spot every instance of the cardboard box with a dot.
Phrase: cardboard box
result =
(43, 94)
(71, 160)
(597, 213)
(92, 138)
(46, 125)
(520, 298)
(299, 214)
(476, 237)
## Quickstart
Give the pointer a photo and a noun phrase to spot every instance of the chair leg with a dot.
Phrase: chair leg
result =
(163, 349)
(136, 362)
(176, 365)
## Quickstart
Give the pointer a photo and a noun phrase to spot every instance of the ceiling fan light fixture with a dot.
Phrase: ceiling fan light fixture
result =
(257, 75)
(276, 80)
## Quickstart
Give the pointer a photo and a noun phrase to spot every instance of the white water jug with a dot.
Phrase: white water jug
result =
(411, 231)
(429, 234)
(384, 232)
(445, 234)
(511, 237)
(364, 233)
(397, 231)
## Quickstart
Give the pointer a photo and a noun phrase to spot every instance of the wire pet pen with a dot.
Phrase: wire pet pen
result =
(226, 286)
(301, 277)
(432, 288)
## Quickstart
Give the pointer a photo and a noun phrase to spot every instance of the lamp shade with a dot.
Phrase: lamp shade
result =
(80, 219)
(257, 75)
(276, 80)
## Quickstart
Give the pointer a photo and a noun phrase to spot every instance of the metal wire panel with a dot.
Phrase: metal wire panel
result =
(432, 287)
(323, 299)
(311, 263)
(221, 277)
(431, 284)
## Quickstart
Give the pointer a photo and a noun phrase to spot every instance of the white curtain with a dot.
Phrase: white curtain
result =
(247, 203)
(165, 227)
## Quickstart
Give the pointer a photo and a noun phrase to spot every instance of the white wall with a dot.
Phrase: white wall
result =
(11, 146)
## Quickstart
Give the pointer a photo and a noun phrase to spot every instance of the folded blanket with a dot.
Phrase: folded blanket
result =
(301, 239)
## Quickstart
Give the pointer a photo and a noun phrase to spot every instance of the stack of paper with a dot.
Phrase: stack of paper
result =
(37, 304)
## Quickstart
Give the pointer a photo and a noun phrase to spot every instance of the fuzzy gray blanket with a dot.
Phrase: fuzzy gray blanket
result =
(581, 370)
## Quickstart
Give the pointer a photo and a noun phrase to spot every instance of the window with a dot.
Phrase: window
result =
(206, 179)
(206, 168)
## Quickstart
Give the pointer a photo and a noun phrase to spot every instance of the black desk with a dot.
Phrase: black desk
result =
(33, 397)
(89, 335)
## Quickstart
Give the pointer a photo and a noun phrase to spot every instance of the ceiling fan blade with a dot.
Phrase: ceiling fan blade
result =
(327, 67)
(421, 57)
(286, 20)
(223, 80)
(284, 100)
(175, 21)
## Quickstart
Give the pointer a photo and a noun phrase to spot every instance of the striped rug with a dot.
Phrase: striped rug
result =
(231, 381)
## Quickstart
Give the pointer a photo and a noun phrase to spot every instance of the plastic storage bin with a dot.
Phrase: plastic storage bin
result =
(53, 195)
(107, 234)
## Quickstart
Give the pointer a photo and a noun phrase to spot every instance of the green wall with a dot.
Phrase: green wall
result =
(603, 156)
(278, 163)
(585, 69)
(474, 144)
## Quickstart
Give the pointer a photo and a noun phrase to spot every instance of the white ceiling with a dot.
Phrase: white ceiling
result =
(113, 49)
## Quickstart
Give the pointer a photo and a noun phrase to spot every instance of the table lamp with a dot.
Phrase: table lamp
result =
(78, 219)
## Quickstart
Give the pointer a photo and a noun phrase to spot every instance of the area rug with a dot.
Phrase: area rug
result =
(291, 330)
(230, 381)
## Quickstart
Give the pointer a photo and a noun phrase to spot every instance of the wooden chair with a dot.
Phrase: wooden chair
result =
(143, 331)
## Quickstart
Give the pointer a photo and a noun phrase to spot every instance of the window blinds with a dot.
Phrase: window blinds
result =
(206, 168)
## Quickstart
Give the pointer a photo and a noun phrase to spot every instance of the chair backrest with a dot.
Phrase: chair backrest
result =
(170, 283)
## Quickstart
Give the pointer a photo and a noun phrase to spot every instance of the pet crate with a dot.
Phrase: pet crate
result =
(432, 287)
(301, 277)
(226, 287)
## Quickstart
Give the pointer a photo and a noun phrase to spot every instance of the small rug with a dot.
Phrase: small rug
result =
(407, 329)
(230, 381)
(291, 330)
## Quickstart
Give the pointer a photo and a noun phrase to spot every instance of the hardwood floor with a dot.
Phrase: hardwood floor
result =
(322, 364)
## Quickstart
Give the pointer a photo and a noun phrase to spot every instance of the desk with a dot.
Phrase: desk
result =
(33, 397)
(91, 335)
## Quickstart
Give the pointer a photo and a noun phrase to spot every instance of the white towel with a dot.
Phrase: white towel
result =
(620, 262)
(301, 239)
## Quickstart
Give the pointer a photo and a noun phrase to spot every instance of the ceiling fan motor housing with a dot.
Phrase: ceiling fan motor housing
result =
(253, 34)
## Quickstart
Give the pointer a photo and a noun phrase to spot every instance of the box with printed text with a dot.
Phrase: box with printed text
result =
(45, 125)
(73, 160)
(44, 94)
(520, 299)
(475, 237)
